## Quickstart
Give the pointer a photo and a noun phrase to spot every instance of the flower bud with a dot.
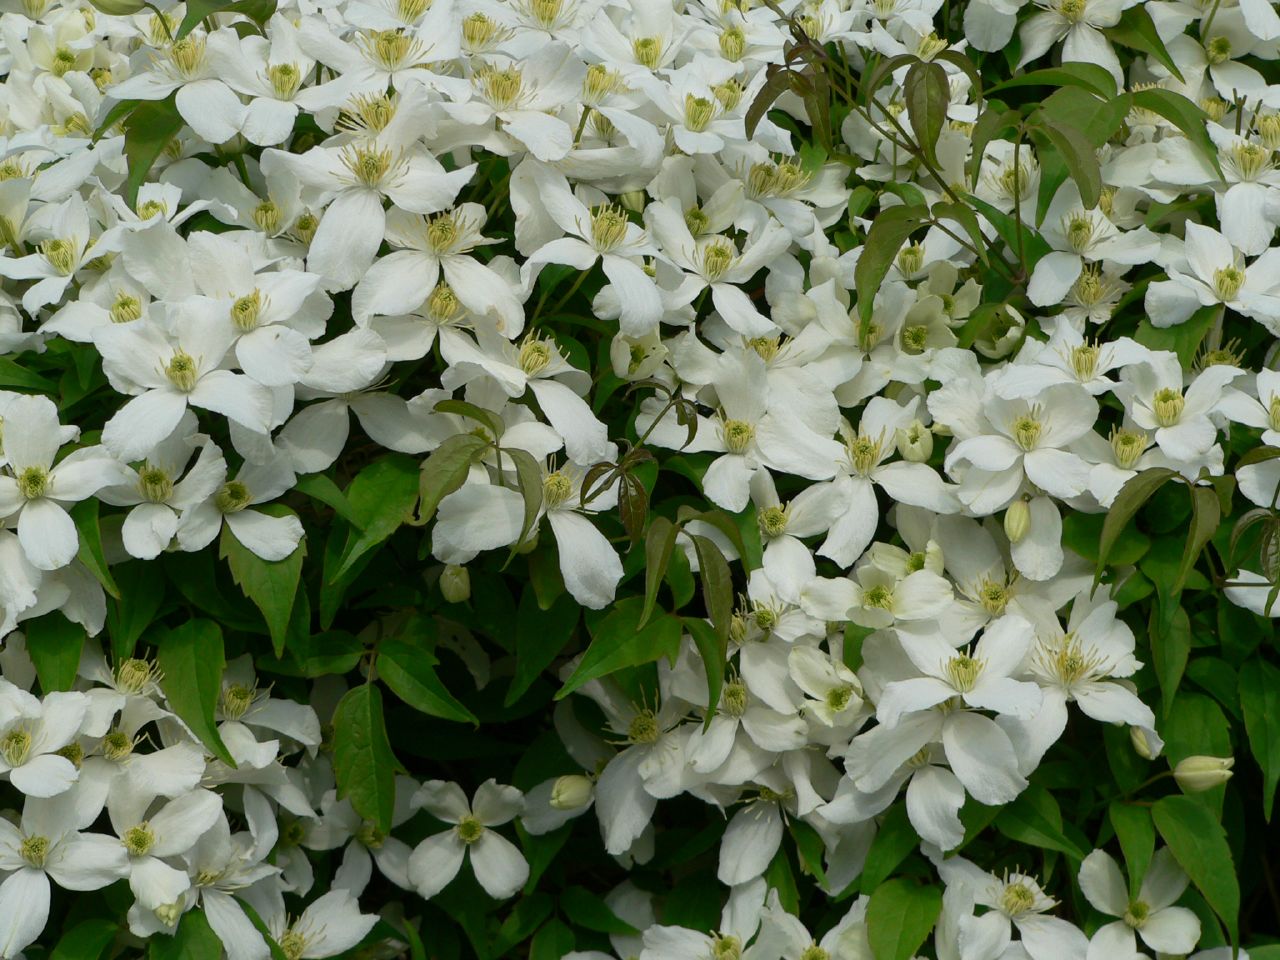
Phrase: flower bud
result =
(1017, 521)
(633, 200)
(1197, 774)
(915, 442)
(1142, 745)
(455, 583)
(571, 792)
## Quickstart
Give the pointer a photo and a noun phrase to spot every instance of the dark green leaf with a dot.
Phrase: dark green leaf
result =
(1034, 818)
(272, 585)
(894, 841)
(616, 643)
(410, 673)
(193, 940)
(551, 942)
(1199, 844)
(713, 654)
(444, 471)
(1086, 76)
(928, 95)
(1128, 501)
(363, 763)
(1260, 699)
(900, 915)
(54, 644)
(85, 515)
(1183, 114)
(1206, 514)
(1137, 31)
(1137, 838)
(382, 496)
(659, 541)
(889, 231)
(147, 131)
(586, 910)
(540, 637)
(87, 940)
(191, 658)
(529, 480)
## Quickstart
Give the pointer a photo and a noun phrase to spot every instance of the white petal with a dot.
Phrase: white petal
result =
(498, 864)
(588, 562)
(24, 910)
(749, 843)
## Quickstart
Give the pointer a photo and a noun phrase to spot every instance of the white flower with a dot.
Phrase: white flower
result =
(35, 490)
(1151, 914)
(499, 867)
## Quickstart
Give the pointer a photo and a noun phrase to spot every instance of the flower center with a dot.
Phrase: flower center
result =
(838, 697)
(502, 88)
(608, 226)
(266, 216)
(738, 435)
(285, 79)
(117, 745)
(134, 675)
(556, 489)
(370, 836)
(33, 482)
(1168, 406)
(1128, 446)
(773, 521)
(34, 850)
(698, 112)
(1136, 916)
(643, 727)
(61, 255)
(1227, 282)
(648, 51)
(125, 308)
(182, 370)
(726, 948)
(1084, 361)
(534, 356)
(733, 44)
(879, 597)
(733, 699)
(367, 164)
(994, 596)
(187, 56)
(814, 952)
(911, 259)
(1017, 899)
(138, 840)
(236, 700)
(963, 670)
(1079, 229)
(154, 484)
(233, 497)
(1026, 431)
(15, 746)
(293, 945)
(246, 310)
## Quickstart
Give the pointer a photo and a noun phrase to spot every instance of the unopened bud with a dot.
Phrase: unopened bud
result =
(1197, 774)
(571, 792)
(633, 200)
(1017, 521)
(1142, 744)
(455, 583)
(915, 442)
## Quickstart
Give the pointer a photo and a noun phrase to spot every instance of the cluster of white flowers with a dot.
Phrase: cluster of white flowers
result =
(359, 191)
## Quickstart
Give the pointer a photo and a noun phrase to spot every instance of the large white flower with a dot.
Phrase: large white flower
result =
(1150, 915)
(499, 866)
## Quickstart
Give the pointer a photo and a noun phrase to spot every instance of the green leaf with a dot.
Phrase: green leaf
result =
(992, 123)
(1184, 339)
(193, 940)
(584, 909)
(1136, 491)
(1183, 114)
(520, 923)
(717, 585)
(1170, 648)
(928, 95)
(87, 940)
(616, 643)
(14, 375)
(259, 11)
(319, 487)
(777, 82)
(272, 585)
(1034, 246)
(1137, 31)
(363, 763)
(141, 597)
(1069, 145)
(551, 942)
(540, 636)
(889, 231)
(382, 496)
(147, 131)
(659, 541)
(1199, 844)
(54, 644)
(1034, 818)
(529, 480)
(410, 673)
(1137, 838)
(191, 659)
(894, 842)
(1260, 698)
(900, 915)
(1206, 514)
(490, 420)
(966, 218)
(1086, 76)
(810, 849)
(444, 471)
(713, 655)
(85, 515)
